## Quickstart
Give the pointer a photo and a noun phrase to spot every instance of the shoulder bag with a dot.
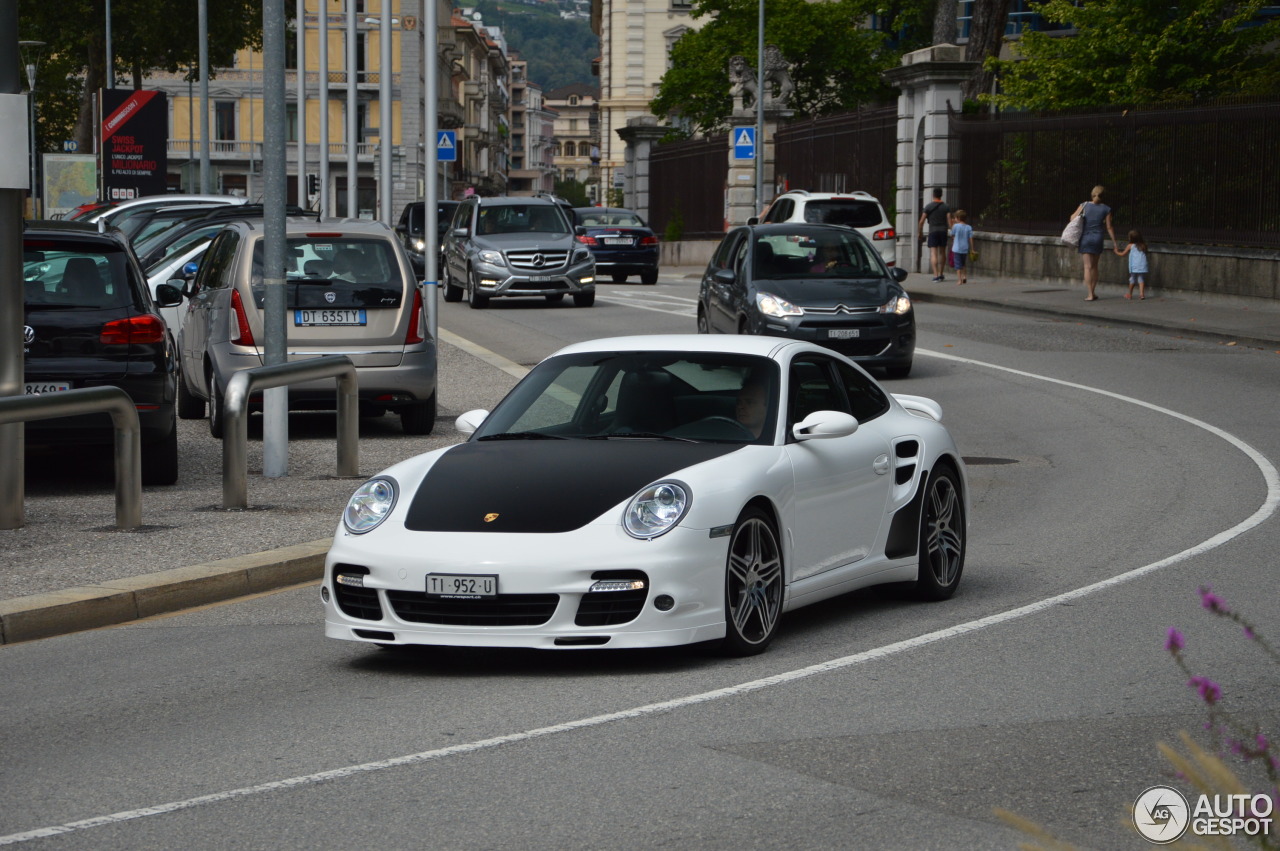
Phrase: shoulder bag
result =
(1073, 231)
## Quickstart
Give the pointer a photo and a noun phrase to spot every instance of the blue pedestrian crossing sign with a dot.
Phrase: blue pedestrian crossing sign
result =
(744, 143)
(447, 146)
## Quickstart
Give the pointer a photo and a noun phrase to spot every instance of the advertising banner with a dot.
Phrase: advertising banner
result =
(135, 136)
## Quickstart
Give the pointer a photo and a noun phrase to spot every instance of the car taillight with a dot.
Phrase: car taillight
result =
(147, 328)
(415, 320)
(244, 336)
(885, 233)
(587, 240)
(648, 240)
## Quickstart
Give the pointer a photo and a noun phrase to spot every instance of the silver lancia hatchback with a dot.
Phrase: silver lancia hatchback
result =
(350, 290)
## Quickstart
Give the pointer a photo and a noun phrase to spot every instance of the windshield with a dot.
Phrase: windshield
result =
(521, 218)
(68, 274)
(696, 396)
(819, 253)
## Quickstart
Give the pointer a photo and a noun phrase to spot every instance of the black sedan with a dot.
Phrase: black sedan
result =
(90, 321)
(819, 283)
(620, 241)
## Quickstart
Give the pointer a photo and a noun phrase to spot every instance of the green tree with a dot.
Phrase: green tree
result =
(1141, 51)
(836, 60)
(146, 35)
(573, 191)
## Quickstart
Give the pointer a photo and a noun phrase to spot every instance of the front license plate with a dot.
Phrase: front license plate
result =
(348, 316)
(35, 388)
(462, 585)
(540, 279)
(842, 333)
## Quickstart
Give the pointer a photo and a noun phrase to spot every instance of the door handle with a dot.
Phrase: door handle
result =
(881, 465)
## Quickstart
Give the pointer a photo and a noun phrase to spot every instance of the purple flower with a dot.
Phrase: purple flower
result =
(1209, 691)
(1248, 633)
(1212, 601)
(1263, 744)
(1174, 641)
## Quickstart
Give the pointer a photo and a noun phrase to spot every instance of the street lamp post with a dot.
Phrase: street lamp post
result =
(31, 51)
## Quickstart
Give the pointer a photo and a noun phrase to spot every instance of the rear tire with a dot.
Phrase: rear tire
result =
(452, 292)
(897, 371)
(618, 278)
(217, 414)
(159, 460)
(753, 585)
(420, 417)
(649, 277)
(584, 299)
(190, 406)
(942, 536)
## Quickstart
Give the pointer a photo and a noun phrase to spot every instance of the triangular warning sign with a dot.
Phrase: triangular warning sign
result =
(744, 139)
(445, 142)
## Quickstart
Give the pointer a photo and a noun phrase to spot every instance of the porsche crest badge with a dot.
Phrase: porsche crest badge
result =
(490, 517)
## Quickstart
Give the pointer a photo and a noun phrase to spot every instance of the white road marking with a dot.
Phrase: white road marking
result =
(1264, 511)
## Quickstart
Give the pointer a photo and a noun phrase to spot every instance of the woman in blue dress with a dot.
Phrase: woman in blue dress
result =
(1096, 216)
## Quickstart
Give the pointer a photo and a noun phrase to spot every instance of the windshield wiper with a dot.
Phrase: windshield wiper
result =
(523, 435)
(644, 435)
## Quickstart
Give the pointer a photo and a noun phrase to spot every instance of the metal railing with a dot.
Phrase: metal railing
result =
(124, 419)
(235, 464)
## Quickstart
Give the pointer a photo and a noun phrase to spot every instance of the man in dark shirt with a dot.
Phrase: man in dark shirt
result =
(938, 216)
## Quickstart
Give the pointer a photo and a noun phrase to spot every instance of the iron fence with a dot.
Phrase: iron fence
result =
(840, 153)
(1199, 175)
(687, 186)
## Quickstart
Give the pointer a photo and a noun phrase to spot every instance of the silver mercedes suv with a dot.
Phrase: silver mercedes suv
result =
(511, 246)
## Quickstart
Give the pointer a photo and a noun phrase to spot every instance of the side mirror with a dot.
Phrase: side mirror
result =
(167, 295)
(724, 276)
(753, 220)
(898, 273)
(824, 425)
(470, 421)
(461, 233)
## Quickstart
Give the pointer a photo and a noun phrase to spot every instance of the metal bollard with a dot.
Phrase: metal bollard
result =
(124, 419)
(235, 442)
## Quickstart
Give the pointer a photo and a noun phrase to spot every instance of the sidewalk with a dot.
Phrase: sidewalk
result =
(69, 571)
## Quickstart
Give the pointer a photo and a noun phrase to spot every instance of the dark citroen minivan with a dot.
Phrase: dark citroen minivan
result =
(91, 321)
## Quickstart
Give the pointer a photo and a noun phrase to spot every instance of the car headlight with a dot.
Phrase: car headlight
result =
(582, 255)
(494, 257)
(419, 245)
(370, 505)
(656, 510)
(898, 304)
(771, 305)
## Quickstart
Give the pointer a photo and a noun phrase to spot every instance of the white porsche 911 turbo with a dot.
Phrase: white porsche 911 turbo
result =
(653, 491)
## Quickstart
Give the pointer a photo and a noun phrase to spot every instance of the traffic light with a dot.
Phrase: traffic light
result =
(313, 184)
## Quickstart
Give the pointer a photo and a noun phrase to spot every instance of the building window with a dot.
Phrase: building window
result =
(681, 5)
(224, 120)
(291, 122)
(573, 100)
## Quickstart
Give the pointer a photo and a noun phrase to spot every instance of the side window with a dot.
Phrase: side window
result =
(215, 271)
(813, 387)
(728, 248)
(866, 400)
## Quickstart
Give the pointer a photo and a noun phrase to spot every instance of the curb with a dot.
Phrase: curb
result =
(124, 600)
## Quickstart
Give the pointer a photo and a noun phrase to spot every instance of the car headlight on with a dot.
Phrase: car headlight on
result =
(370, 505)
(772, 305)
(656, 510)
(494, 257)
(419, 245)
(898, 304)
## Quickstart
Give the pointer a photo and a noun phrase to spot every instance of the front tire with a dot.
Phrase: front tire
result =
(942, 536)
(704, 327)
(477, 301)
(753, 585)
(584, 299)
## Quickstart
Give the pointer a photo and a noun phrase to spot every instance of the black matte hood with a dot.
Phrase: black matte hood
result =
(543, 485)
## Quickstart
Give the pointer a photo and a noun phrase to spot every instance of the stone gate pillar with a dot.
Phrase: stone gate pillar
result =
(928, 155)
(640, 135)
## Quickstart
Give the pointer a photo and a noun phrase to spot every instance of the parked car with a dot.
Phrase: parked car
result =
(703, 487)
(500, 247)
(620, 241)
(116, 212)
(350, 290)
(190, 225)
(857, 210)
(412, 231)
(820, 283)
(90, 321)
(176, 270)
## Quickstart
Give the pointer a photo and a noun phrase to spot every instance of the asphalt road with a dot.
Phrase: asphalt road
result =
(1113, 472)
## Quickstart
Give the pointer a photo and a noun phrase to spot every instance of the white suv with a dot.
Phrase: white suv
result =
(857, 210)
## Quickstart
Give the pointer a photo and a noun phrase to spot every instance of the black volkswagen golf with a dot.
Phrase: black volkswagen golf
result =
(824, 284)
(90, 321)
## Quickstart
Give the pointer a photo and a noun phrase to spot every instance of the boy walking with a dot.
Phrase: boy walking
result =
(961, 245)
